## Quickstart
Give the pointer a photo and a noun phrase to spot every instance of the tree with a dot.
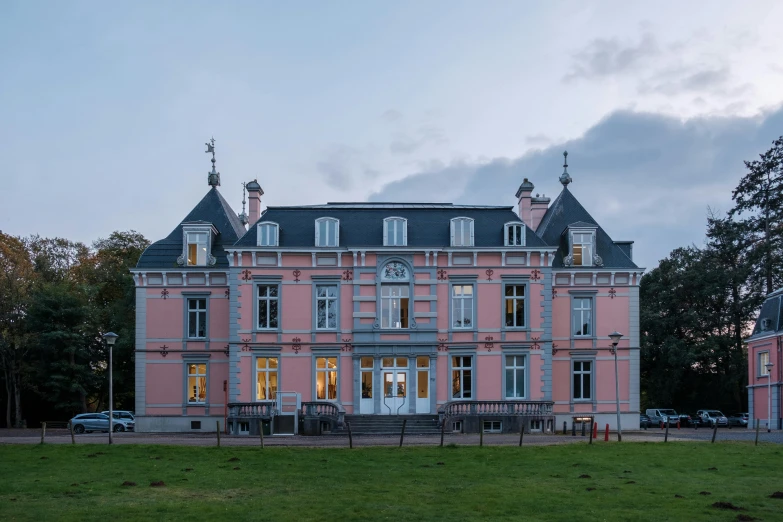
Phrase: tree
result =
(16, 280)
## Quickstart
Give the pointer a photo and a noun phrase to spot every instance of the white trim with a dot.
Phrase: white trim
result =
(395, 220)
(522, 233)
(259, 226)
(336, 223)
(461, 221)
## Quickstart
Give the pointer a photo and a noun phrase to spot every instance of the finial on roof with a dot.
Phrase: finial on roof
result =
(243, 216)
(565, 177)
(213, 178)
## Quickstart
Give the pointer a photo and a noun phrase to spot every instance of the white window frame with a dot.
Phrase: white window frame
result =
(515, 368)
(196, 376)
(270, 300)
(326, 371)
(580, 313)
(200, 315)
(267, 370)
(460, 370)
(458, 306)
(458, 232)
(330, 302)
(586, 242)
(271, 230)
(329, 222)
(392, 302)
(581, 373)
(189, 233)
(512, 298)
(391, 226)
(519, 233)
(763, 359)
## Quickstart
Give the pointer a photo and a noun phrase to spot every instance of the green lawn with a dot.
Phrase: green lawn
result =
(629, 481)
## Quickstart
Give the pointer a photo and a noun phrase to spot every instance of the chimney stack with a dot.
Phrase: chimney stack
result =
(254, 193)
(524, 196)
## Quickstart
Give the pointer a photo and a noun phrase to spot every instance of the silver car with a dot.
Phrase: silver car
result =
(123, 420)
(713, 417)
(89, 422)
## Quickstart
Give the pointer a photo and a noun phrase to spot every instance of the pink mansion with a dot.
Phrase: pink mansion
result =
(297, 318)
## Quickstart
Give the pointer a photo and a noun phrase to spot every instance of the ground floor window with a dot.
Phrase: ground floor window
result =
(266, 378)
(462, 377)
(197, 383)
(515, 376)
(535, 425)
(493, 426)
(583, 380)
(456, 426)
(326, 378)
(367, 364)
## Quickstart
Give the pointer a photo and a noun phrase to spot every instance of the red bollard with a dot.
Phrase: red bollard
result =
(606, 434)
(661, 424)
(678, 425)
(595, 430)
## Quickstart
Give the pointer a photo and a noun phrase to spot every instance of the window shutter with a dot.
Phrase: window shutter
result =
(453, 224)
(336, 223)
(522, 235)
(471, 232)
(317, 233)
(404, 224)
(386, 224)
(277, 235)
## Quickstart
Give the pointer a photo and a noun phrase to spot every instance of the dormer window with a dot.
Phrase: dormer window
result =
(582, 248)
(461, 232)
(327, 232)
(395, 231)
(514, 234)
(197, 245)
(268, 234)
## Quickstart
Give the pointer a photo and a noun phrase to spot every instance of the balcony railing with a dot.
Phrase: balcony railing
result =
(492, 408)
(259, 410)
(324, 409)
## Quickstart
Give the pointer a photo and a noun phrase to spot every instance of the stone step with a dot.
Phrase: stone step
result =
(391, 424)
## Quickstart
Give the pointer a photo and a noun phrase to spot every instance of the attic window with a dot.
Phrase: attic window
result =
(395, 231)
(461, 232)
(327, 232)
(765, 324)
(197, 244)
(582, 248)
(514, 234)
(268, 234)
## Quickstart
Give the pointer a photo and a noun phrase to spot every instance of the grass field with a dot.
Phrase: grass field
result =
(629, 481)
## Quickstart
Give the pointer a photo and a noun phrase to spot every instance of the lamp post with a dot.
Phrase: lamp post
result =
(110, 338)
(615, 337)
(769, 366)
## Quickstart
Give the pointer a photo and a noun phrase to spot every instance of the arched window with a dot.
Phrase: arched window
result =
(514, 234)
(395, 231)
(327, 232)
(268, 234)
(461, 232)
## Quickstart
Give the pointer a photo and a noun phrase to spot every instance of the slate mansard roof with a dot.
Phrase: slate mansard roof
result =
(361, 224)
(566, 211)
(211, 209)
(770, 318)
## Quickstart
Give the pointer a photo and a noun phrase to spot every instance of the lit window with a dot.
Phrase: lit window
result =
(763, 361)
(582, 316)
(395, 232)
(515, 376)
(326, 378)
(266, 378)
(367, 364)
(462, 306)
(515, 306)
(197, 383)
(582, 248)
(583, 378)
(327, 232)
(461, 377)
(326, 307)
(197, 318)
(515, 234)
(197, 248)
(268, 303)
(461, 232)
(394, 306)
(267, 234)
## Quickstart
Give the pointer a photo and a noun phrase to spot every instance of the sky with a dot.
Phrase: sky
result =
(105, 108)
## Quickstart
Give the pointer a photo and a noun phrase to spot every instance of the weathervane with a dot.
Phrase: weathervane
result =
(243, 216)
(565, 177)
(213, 179)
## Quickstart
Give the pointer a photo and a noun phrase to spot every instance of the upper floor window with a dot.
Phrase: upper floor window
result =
(196, 248)
(582, 248)
(197, 318)
(327, 232)
(515, 306)
(394, 306)
(582, 317)
(268, 234)
(763, 361)
(515, 234)
(395, 231)
(461, 232)
(326, 307)
(462, 306)
(197, 383)
(268, 302)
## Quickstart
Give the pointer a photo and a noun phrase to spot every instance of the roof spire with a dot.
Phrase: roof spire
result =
(213, 179)
(243, 216)
(565, 177)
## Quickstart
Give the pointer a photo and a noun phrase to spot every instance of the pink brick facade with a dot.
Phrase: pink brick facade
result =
(765, 347)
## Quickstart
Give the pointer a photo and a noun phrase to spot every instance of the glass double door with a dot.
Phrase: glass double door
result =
(400, 388)
(394, 383)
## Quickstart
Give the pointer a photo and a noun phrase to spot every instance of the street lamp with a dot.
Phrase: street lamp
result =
(769, 366)
(615, 337)
(110, 338)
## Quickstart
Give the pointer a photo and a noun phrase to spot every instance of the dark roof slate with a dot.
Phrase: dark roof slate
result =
(362, 225)
(213, 209)
(566, 211)
(772, 311)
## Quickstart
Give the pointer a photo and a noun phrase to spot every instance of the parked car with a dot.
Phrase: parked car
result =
(89, 422)
(686, 421)
(123, 420)
(739, 419)
(695, 422)
(713, 417)
(661, 415)
(644, 421)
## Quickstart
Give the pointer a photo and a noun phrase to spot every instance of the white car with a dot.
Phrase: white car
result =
(123, 420)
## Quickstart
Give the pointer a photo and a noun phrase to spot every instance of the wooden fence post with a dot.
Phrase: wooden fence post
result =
(402, 433)
(757, 432)
(43, 432)
(714, 431)
(593, 427)
(217, 423)
(481, 432)
(521, 432)
(666, 436)
(350, 436)
(261, 431)
(442, 430)
(70, 428)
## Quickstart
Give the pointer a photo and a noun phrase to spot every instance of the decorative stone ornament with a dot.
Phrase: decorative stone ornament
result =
(568, 260)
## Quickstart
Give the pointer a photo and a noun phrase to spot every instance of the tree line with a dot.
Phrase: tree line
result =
(700, 303)
(57, 298)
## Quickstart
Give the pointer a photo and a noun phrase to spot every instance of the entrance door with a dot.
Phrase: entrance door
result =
(394, 378)
(422, 384)
(366, 402)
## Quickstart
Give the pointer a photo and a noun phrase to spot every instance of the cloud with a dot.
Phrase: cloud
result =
(712, 80)
(645, 177)
(606, 57)
(337, 166)
(538, 139)
(391, 116)
(403, 144)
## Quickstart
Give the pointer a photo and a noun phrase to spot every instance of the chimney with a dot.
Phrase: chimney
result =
(525, 200)
(254, 193)
(538, 207)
